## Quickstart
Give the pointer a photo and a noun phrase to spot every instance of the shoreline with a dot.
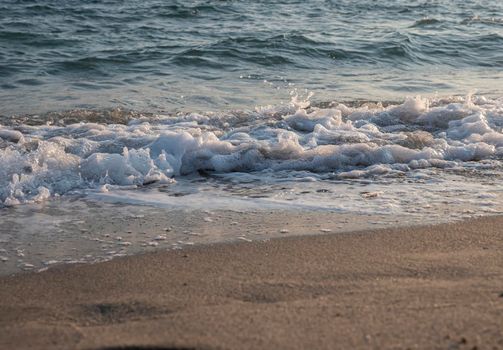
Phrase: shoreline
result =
(38, 237)
(415, 287)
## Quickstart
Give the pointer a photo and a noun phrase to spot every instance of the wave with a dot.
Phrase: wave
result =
(127, 149)
(481, 20)
(425, 22)
(189, 11)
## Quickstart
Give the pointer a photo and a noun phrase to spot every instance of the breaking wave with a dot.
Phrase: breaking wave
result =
(115, 149)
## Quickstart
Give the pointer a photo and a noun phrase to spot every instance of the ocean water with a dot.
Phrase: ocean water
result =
(214, 55)
(353, 106)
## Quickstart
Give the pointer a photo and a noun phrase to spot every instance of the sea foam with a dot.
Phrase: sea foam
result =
(352, 142)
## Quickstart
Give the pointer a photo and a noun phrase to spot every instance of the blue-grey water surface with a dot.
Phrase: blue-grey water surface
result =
(218, 55)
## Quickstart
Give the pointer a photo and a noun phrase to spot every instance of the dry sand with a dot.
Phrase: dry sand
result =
(430, 287)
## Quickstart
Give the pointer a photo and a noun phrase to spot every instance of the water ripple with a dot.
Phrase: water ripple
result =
(181, 54)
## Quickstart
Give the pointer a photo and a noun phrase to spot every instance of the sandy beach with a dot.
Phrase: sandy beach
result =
(251, 175)
(435, 287)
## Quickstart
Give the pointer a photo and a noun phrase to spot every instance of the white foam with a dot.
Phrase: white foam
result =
(37, 162)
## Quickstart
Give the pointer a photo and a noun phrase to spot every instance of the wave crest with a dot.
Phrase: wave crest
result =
(37, 161)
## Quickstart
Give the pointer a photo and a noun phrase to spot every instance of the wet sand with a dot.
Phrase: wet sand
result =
(435, 287)
(36, 237)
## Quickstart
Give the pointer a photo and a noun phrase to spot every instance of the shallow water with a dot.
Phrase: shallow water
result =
(78, 230)
(219, 55)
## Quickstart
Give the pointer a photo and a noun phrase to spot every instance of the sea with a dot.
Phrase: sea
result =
(387, 108)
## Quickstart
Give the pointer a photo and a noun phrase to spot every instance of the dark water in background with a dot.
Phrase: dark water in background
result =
(214, 55)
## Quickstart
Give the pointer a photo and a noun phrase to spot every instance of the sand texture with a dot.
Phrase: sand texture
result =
(436, 287)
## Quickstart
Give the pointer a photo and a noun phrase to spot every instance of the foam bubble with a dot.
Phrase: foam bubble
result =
(37, 162)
